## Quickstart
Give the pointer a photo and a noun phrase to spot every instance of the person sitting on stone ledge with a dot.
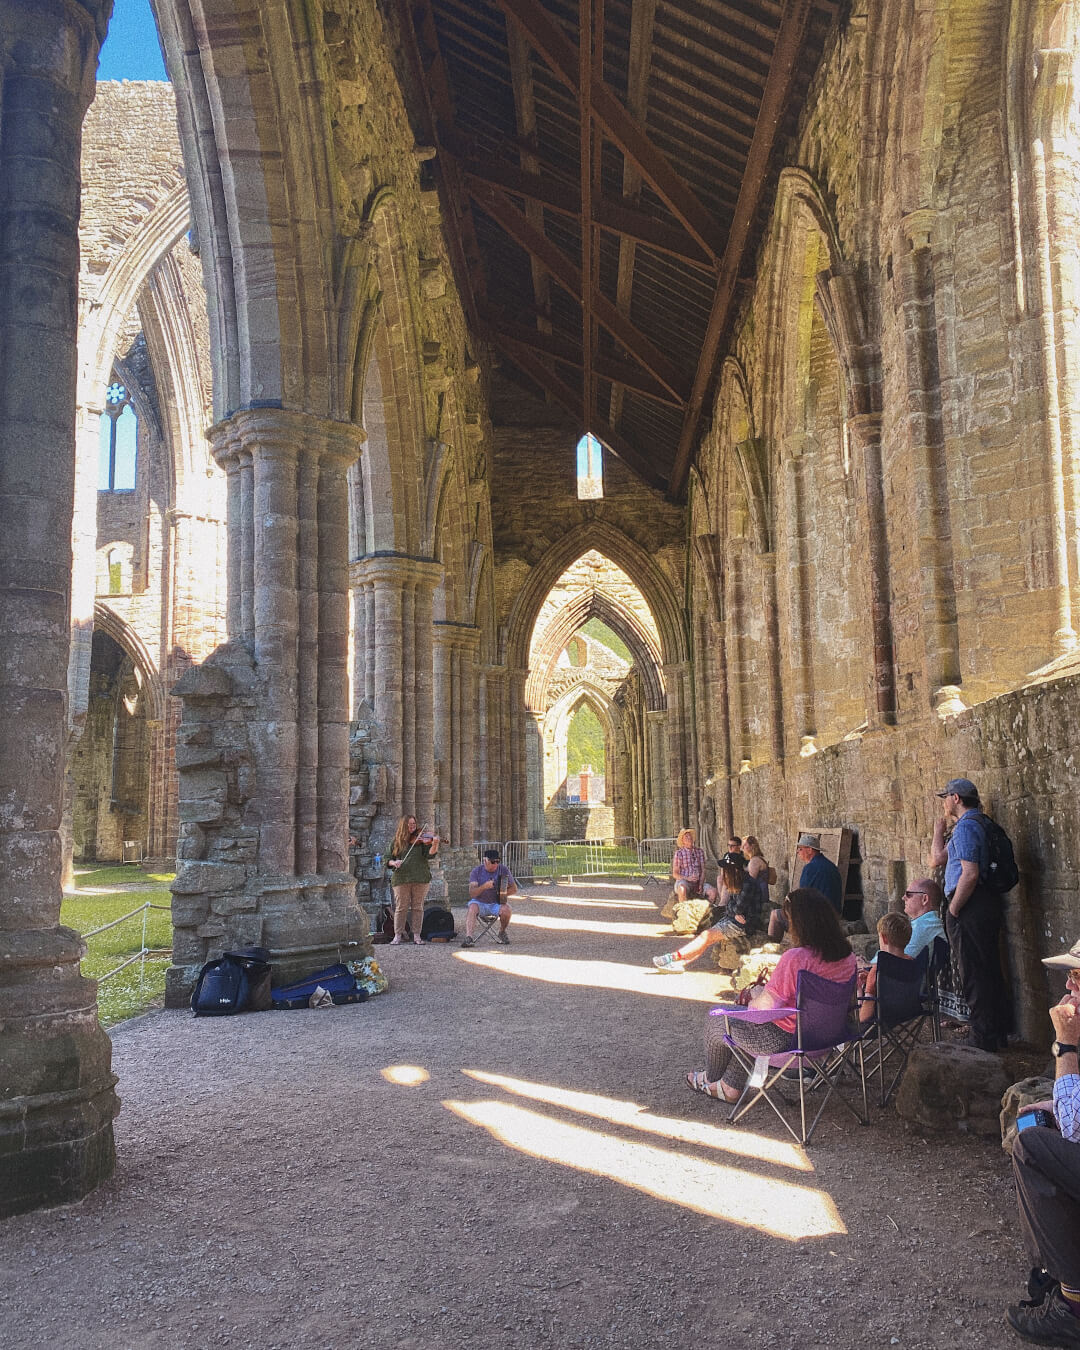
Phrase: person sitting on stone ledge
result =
(923, 902)
(739, 915)
(1046, 1168)
(894, 933)
(820, 947)
(688, 869)
(734, 856)
(818, 872)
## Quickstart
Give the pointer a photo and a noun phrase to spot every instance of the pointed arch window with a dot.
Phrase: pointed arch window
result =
(118, 437)
(590, 468)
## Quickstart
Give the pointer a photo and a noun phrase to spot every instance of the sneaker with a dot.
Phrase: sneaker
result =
(669, 961)
(468, 942)
(503, 938)
(1048, 1323)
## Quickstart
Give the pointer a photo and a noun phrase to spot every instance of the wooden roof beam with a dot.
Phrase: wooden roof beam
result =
(546, 188)
(778, 87)
(627, 133)
(497, 328)
(570, 401)
(568, 275)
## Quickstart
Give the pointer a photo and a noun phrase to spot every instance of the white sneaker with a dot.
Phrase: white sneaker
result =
(669, 962)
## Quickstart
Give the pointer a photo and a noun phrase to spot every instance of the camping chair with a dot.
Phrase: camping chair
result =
(823, 1031)
(902, 1010)
(486, 925)
(938, 973)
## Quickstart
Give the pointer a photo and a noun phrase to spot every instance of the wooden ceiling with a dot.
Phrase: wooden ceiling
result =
(609, 191)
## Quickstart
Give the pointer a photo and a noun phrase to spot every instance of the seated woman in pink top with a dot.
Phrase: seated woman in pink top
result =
(820, 947)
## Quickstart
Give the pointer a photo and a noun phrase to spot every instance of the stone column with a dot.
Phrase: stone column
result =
(658, 780)
(515, 774)
(1054, 181)
(679, 755)
(492, 763)
(56, 1086)
(394, 660)
(864, 431)
(802, 652)
(913, 273)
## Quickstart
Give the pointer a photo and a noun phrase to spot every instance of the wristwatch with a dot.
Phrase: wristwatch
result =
(1059, 1048)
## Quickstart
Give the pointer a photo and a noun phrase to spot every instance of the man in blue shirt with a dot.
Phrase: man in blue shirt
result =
(1046, 1167)
(974, 918)
(819, 872)
(922, 903)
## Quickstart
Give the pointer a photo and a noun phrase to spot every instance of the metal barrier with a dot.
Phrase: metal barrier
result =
(530, 859)
(654, 859)
(596, 857)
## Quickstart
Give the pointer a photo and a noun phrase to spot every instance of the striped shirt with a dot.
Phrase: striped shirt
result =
(1067, 1106)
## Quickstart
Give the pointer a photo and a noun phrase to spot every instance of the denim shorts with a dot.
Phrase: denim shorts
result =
(488, 908)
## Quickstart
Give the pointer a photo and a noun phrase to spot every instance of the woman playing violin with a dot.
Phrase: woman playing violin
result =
(411, 876)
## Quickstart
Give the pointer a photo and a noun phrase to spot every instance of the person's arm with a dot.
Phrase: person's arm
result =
(475, 888)
(511, 886)
(868, 1004)
(676, 867)
(433, 847)
(939, 853)
(969, 879)
(1066, 1020)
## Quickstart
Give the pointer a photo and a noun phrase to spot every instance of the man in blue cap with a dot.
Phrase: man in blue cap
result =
(975, 912)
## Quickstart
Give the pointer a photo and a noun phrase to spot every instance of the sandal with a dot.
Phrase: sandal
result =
(395, 942)
(697, 1082)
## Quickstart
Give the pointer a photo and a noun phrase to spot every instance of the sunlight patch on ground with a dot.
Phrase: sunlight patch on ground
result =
(691, 986)
(778, 1208)
(631, 929)
(743, 1142)
(405, 1075)
(588, 884)
(595, 903)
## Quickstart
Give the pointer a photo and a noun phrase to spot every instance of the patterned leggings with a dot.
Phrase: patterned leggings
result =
(759, 1038)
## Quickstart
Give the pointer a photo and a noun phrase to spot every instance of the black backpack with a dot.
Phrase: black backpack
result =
(438, 925)
(1002, 874)
(221, 989)
(238, 982)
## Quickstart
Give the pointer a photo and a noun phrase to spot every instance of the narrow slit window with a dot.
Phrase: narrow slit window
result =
(118, 439)
(590, 468)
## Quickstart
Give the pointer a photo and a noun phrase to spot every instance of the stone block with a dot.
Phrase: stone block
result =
(208, 878)
(198, 756)
(191, 845)
(189, 911)
(234, 904)
(203, 682)
(1016, 1099)
(208, 784)
(950, 1089)
(201, 812)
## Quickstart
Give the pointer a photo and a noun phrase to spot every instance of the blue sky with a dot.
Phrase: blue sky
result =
(131, 50)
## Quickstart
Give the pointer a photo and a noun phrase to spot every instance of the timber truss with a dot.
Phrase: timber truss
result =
(608, 166)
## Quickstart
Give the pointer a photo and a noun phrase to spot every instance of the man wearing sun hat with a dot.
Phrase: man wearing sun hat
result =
(975, 913)
(1046, 1167)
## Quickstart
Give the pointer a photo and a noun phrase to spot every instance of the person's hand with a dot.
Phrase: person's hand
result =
(1066, 1020)
(739, 918)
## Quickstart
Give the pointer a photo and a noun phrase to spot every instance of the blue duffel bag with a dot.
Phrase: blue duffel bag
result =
(336, 980)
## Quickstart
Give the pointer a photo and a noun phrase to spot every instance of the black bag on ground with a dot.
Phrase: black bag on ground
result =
(438, 925)
(222, 988)
(338, 981)
(256, 964)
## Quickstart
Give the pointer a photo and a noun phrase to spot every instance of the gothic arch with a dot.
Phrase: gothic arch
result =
(619, 548)
(621, 621)
(125, 637)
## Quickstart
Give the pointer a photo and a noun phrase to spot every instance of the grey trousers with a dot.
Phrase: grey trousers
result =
(759, 1038)
(1047, 1173)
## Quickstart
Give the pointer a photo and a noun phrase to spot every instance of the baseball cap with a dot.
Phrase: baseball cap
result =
(809, 841)
(963, 787)
(1069, 959)
(492, 854)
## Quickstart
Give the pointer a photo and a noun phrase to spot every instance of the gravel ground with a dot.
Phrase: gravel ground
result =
(501, 1151)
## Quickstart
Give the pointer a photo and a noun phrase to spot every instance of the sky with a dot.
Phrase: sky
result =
(131, 50)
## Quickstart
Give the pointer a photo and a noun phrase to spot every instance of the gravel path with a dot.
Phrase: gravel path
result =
(502, 1152)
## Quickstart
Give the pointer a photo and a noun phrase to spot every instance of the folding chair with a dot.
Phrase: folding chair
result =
(938, 972)
(823, 1031)
(485, 925)
(902, 1010)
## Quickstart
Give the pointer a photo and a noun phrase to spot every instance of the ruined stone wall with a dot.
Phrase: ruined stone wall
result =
(889, 281)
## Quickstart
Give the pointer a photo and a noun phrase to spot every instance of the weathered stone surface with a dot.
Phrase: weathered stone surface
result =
(207, 878)
(203, 682)
(950, 1088)
(1016, 1099)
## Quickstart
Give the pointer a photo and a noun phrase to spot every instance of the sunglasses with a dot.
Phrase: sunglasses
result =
(909, 894)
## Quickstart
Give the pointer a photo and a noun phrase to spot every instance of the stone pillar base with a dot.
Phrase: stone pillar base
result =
(57, 1147)
(305, 923)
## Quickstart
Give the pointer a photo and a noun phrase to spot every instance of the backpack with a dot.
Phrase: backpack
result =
(338, 981)
(256, 964)
(222, 988)
(1002, 874)
(438, 925)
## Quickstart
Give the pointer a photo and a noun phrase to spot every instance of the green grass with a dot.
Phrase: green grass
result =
(117, 876)
(579, 859)
(136, 988)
